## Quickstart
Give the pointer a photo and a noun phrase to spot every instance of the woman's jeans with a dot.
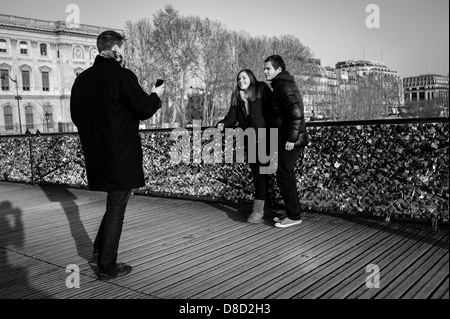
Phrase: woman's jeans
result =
(287, 182)
(260, 181)
(106, 242)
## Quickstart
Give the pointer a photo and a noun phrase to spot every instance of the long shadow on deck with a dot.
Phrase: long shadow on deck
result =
(13, 279)
(63, 196)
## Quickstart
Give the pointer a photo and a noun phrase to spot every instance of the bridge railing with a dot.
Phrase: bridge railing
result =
(388, 168)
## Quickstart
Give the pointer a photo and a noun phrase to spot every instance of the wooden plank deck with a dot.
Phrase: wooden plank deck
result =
(182, 249)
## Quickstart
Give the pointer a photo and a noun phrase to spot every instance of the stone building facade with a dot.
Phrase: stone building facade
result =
(322, 86)
(426, 87)
(39, 61)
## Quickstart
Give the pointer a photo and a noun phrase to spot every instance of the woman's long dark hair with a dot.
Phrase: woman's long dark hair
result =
(254, 91)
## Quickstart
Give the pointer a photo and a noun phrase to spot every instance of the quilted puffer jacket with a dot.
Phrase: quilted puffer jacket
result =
(287, 110)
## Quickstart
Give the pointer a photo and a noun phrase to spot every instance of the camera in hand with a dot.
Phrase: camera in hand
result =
(159, 82)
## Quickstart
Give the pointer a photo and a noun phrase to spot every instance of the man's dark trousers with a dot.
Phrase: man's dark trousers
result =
(107, 240)
(287, 182)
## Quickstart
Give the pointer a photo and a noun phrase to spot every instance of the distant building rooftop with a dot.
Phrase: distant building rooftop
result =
(364, 66)
(428, 75)
(45, 26)
(352, 63)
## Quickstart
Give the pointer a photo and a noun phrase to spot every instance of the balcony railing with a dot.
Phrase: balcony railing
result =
(389, 168)
(42, 127)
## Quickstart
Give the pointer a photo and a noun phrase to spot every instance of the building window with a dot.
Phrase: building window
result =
(45, 81)
(29, 120)
(2, 45)
(94, 54)
(23, 47)
(43, 49)
(5, 80)
(48, 117)
(78, 53)
(26, 80)
(8, 118)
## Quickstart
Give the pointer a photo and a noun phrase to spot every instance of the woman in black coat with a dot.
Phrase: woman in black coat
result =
(250, 108)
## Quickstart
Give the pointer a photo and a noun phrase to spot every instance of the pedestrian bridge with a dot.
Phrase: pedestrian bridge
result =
(186, 249)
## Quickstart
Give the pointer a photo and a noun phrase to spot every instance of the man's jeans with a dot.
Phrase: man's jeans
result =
(106, 242)
(287, 182)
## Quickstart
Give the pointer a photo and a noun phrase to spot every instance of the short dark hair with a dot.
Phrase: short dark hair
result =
(107, 39)
(277, 62)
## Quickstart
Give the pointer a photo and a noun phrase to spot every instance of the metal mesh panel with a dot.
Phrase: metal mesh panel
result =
(381, 169)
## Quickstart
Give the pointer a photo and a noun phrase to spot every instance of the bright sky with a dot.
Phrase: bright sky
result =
(412, 38)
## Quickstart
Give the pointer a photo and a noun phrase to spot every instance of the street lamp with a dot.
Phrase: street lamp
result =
(18, 98)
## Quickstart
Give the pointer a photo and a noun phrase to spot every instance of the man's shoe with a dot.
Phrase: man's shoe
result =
(286, 222)
(121, 270)
(94, 259)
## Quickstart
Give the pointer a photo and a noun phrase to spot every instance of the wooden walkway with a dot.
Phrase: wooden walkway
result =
(182, 249)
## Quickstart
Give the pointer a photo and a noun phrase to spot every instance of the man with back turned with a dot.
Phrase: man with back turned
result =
(106, 105)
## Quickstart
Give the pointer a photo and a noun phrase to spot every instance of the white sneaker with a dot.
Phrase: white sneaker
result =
(286, 222)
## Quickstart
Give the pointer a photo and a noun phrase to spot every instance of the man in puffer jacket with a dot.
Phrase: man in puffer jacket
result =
(288, 117)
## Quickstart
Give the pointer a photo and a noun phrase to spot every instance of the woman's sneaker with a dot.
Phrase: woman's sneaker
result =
(286, 222)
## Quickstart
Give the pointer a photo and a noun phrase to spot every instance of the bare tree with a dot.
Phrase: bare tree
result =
(422, 109)
(142, 57)
(250, 53)
(179, 49)
(372, 96)
(177, 39)
(295, 54)
(215, 68)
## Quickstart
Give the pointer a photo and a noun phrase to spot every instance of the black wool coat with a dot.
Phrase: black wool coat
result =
(287, 111)
(106, 105)
(259, 112)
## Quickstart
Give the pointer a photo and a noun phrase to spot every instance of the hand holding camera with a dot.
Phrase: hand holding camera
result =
(159, 87)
